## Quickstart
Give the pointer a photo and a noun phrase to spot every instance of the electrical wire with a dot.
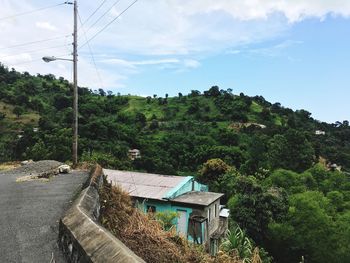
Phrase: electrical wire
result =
(31, 11)
(91, 54)
(98, 19)
(100, 31)
(34, 60)
(35, 42)
(98, 8)
(33, 51)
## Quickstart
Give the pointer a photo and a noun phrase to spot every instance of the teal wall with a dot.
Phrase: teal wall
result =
(186, 186)
(183, 187)
(166, 206)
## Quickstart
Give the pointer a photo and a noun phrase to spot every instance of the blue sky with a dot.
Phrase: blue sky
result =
(293, 52)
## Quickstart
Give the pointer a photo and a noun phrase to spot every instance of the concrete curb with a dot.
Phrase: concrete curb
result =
(82, 238)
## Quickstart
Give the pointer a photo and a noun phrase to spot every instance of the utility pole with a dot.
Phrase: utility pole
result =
(75, 87)
(75, 81)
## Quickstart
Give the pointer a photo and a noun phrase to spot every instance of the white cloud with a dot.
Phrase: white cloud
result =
(166, 63)
(275, 50)
(45, 25)
(293, 10)
(156, 61)
(13, 59)
(157, 30)
(179, 27)
(191, 63)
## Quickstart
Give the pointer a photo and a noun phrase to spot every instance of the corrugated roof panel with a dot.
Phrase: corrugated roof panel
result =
(145, 185)
(224, 212)
(198, 198)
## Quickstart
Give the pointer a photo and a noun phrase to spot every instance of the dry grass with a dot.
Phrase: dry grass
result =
(27, 117)
(9, 165)
(145, 236)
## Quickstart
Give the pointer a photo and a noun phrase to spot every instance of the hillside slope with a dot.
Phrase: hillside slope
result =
(174, 134)
(268, 160)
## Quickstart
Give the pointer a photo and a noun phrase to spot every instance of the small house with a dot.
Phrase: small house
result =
(319, 132)
(134, 154)
(201, 218)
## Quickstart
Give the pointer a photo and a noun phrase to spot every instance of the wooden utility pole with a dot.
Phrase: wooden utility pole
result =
(75, 88)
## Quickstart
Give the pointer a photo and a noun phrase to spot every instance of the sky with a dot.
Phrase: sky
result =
(295, 52)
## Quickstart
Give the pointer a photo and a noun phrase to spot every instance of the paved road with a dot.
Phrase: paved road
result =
(30, 211)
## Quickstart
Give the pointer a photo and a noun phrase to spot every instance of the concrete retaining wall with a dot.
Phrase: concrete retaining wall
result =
(82, 238)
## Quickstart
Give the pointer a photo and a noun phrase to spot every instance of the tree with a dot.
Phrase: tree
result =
(194, 93)
(254, 209)
(299, 235)
(212, 170)
(141, 118)
(18, 111)
(154, 125)
(214, 91)
(102, 92)
(289, 180)
(291, 151)
(62, 101)
(38, 151)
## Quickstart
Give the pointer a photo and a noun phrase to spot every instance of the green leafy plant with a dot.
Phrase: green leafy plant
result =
(237, 242)
(167, 219)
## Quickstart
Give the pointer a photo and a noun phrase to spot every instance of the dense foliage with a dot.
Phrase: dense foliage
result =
(272, 166)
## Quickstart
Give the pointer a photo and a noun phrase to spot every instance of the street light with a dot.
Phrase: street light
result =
(48, 59)
(75, 82)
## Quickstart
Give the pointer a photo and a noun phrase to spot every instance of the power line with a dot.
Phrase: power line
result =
(35, 42)
(34, 60)
(98, 19)
(108, 24)
(34, 51)
(91, 54)
(31, 11)
(98, 8)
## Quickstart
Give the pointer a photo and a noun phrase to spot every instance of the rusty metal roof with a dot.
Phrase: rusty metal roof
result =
(144, 185)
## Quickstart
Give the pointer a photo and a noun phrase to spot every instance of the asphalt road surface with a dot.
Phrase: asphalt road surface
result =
(30, 212)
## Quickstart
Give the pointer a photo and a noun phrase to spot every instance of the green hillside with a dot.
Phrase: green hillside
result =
(273, 168)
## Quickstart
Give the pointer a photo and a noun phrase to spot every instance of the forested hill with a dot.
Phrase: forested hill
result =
(174, 134)
(272, 163)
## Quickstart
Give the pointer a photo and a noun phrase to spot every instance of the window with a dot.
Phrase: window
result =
(209, 214)
(216, 210)
(151, 209)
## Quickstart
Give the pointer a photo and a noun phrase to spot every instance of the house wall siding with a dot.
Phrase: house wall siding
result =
(213, 224)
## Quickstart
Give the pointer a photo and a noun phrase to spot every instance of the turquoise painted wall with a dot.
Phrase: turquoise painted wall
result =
(183, 187)
(166, 206)
(186, 186)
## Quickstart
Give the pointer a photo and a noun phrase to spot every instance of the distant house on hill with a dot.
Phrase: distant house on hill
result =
(201, 219)
(334, 167)
(134, 154)
(319, 132)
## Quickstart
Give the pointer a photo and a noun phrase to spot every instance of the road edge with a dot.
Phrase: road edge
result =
(81, 236)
